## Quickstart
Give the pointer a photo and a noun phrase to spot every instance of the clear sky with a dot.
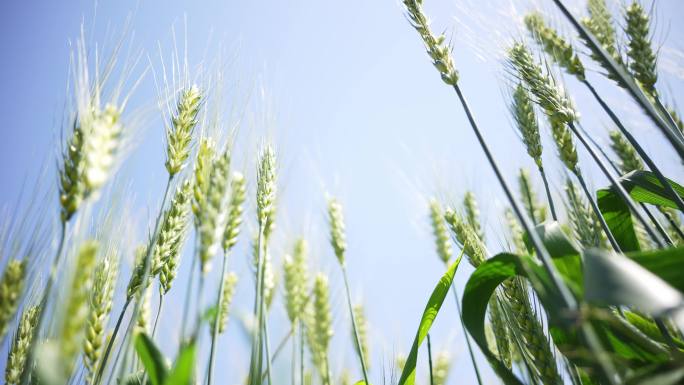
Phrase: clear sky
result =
(346, 93)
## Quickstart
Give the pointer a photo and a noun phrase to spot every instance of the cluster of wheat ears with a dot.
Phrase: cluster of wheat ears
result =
(596, 297)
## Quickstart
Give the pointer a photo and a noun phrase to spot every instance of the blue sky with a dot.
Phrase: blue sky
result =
(346, 93)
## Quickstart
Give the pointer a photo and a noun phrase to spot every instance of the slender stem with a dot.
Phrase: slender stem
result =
(597, 211)
(648, 212)
(198, 320)
(267, 350)
(215, 329)
(108, 349)
(159, 310)
(631, 86)
(429, 347)
(465, 334)
(668, 117)
(301, 352)
(43, 304)
(616, 185)
(568, 299)
(146, 267)
(359, 349)
(255, 361)
(647, 159)
(188, 295)
(548, 193)
(294, 361)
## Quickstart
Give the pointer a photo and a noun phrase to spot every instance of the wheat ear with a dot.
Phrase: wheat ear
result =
(16, 359)
(11, 289)
(98, 314)
(179, 135)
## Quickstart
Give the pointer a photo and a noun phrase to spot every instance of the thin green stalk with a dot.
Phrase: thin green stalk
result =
(294, 361)
(255, 367)
(597, 212)
(301, 352)
(159, 310)
(186, 304)
(668, 117)
(359, 351)
(465, 334)
(268, 352)
(616, 184)
(631, 86)
(43, 304)
(548, 193)
(108, 349)
(146, 268)
(647, 159)
(429, 347)
(215, 329)
(568, 299)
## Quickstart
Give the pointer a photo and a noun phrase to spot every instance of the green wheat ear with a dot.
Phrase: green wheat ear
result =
(585, 225)
(319, 324)
(337, 234)
(172, 236)
(600, 24)
(362, 329)
(179, 135)
(526, 121)
(237, 198)
(439, 230)
(205, 158)
(230, 280)
(473, 247)
(76, 307)
(436, 46)
(266, 191)
(137, 273)
(559, 49)
(502, 339)
(100, 305)
(16, 359)
(442, 367)
(536, 210)
(473, 214)
(212, 217)
(629, 160)
(296, 280)
(642, 58)
(11, 289)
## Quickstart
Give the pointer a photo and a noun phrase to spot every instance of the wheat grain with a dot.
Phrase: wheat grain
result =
(229, 282)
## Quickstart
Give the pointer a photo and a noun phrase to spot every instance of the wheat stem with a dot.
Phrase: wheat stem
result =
(108, 349)
(548, 193)
(616, 184)
(647, 159)
(188, 294)
(359, 351)
(465, 333)
(429, 348)
(159, 310)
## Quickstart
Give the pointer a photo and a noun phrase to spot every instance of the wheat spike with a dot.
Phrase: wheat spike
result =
(76, 307)
(629, 160)
(100, 305)
(436, 46)
(229, 282)
(16, 359)
(536, 210)
(137, 273)
(266, 191)
(319, 324)
(473, 247)
(205, 158)
(442, 367)
(212, 218)
(172, 235)
(142, 323)
(472, 213)
(515, 231)
(522, 110)
(500, 332)
(72, 186)
(179, 135)
(11, 289)
(101, 142)
(585, 225)
(362, 329)
(337, 234)
(237, 198)
(440, 232)
(642, 58)
(296, 280)
(559, 49)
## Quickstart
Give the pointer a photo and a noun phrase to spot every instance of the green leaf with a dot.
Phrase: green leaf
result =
(181, 374)
(668, 264)
(613, 279)
(645, 187)
(619, 219)
(408, 375)
(152, 359)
